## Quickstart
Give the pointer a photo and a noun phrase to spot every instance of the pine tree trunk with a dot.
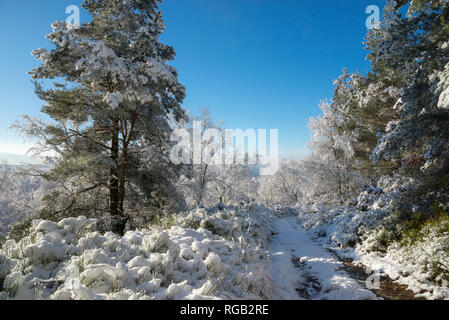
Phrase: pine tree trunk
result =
(340, 187)
(340, 190)
(123, 173)
(118, 226)
(113, 176)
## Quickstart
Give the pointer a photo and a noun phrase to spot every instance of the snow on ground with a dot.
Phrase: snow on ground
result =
(71, 260)
(202, 254)
(302, 269)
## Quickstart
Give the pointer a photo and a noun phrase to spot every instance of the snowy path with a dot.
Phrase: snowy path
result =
(302, 269)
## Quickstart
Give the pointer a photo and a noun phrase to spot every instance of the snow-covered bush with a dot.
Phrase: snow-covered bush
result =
(343, 226)
(71, 260)
(409, 248)
(418, 258)
(251, 224)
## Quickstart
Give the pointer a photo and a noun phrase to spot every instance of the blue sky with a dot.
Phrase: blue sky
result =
(253, 63)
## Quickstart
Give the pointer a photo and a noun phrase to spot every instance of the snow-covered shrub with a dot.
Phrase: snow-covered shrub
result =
(340, 225)
(410, 248)
(347, 225)
(418, 258)
(253, 223)
(71, 260)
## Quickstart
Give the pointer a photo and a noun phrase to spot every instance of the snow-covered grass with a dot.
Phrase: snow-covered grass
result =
(205, 254)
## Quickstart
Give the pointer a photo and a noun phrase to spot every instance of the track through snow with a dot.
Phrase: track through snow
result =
(302, 269)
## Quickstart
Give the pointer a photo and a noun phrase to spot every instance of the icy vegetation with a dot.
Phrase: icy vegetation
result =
(220, 256)
(375, 238)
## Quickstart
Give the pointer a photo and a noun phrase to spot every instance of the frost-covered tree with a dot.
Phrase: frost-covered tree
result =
(286, 187)
(231, 185)
(326, 176)
(397, 114)
(109, 104)
(332, 155)
(206, 180)
(416, 47)
(364, 105)
(197, 176)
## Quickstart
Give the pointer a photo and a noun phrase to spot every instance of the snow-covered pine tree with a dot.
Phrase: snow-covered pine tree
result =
(109, 106)
(364, 104)
(416, 47)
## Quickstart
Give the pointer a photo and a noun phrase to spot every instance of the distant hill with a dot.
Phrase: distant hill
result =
(17, 159)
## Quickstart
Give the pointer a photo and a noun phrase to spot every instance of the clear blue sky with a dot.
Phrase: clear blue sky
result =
(253, 63)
